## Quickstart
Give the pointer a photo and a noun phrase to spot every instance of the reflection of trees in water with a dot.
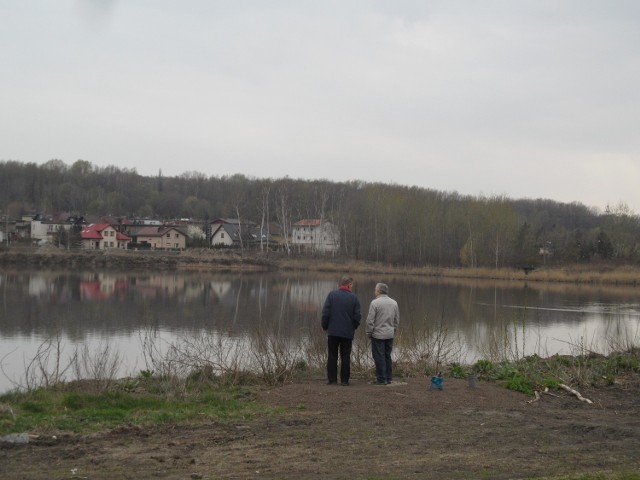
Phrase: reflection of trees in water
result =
(483, 315)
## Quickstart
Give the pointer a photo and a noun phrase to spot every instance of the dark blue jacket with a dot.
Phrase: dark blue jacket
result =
(341, 313)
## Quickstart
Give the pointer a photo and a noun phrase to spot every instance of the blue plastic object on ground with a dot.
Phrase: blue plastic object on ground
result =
(437, 383)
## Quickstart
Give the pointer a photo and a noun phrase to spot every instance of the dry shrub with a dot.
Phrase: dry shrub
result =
(274, 356)
(426, 350)
(98, 364)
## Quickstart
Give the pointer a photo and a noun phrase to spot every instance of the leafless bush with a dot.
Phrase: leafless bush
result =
(49, 366)
(426, 350)
(274, 356)
(315, 349)
(150, 349)
(621, 337)
(98, 364)
(209, 357)
(46, 368)
(361, 360)
(507, 342)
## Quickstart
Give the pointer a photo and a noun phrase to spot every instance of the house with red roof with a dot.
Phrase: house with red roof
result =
(315, 235)
(103, 236)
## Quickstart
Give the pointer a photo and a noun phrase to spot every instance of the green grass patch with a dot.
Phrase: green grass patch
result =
(596, 476)
(535, 373)
(77, 411)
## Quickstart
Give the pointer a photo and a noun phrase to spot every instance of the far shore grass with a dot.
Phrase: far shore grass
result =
(204, 259)
(582, 274)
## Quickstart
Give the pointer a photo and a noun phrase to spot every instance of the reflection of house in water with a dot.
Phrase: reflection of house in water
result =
(219, 290)
(39, 286)
(101, 286)
(48, 286)
(192, 291)
(309, 297)
(90, 290)
(160, 285)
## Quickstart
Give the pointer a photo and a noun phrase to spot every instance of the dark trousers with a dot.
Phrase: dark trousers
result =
(381, 351)
(343, 345)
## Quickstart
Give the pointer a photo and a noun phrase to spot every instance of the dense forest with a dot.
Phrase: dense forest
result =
(377, 222)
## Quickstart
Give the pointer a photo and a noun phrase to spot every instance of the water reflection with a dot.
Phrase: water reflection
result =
(480, 318)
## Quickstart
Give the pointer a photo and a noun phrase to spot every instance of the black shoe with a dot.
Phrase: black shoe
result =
(331, 383)
(344, 384)
(375, 382)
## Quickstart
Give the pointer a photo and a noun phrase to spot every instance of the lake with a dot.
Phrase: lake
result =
(141, 315)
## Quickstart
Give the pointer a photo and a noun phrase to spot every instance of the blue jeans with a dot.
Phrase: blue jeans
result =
(381, 351)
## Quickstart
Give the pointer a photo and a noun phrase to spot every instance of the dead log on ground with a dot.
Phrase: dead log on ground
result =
(575, 392)
(537, 394)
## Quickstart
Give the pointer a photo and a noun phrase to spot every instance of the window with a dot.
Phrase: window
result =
(222, 235)
(168, 235)
(177, 235)
(111, 244)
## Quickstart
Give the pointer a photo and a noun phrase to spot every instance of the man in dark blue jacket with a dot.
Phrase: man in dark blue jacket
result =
(340, 319)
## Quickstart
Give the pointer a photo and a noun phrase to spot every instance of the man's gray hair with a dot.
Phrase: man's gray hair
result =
(382, 288)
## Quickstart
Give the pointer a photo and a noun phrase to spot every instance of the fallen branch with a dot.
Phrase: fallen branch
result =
(537, 394)
(575, 392)
(547, 392)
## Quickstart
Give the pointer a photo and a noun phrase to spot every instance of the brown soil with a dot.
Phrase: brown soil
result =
(365, 431)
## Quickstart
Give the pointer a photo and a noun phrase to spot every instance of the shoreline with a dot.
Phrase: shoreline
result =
(203, 260)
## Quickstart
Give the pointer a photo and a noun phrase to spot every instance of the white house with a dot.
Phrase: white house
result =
(46, 231)
(103, 236)
(315, 235)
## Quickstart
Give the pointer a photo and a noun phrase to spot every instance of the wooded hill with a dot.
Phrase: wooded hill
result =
(377, 222)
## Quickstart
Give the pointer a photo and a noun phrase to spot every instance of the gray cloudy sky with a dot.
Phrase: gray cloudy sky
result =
(528, 99)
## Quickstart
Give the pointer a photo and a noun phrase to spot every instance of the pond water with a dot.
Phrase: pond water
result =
(119, 312)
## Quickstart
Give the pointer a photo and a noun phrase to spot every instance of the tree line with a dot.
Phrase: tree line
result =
(377, 222)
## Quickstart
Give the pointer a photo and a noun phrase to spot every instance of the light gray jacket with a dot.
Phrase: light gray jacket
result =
(383, 318)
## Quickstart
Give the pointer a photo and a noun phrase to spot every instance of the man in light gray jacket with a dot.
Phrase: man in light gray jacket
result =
(382, 321)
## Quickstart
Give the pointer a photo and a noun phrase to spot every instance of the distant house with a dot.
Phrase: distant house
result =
(227, 232)
(232, 221)
(47, 228)
(315, 235)
(232, 235)
(272, 235)
(103, 236)
(161, 238)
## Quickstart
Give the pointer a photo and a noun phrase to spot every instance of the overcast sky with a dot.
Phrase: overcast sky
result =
(528, 99)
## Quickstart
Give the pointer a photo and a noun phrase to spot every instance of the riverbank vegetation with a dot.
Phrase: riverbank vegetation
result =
(196, 379)
(204, 259)
(148, 399)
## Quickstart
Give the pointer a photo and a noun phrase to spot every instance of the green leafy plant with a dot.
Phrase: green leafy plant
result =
(484, 368)
(457, 371)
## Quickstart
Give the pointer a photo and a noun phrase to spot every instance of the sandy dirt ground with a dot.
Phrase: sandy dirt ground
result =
(400, 431)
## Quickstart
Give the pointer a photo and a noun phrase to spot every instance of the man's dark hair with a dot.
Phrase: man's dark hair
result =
(345, 280)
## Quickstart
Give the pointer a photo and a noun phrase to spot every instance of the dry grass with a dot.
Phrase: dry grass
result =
(203, 259)
(583, 274)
